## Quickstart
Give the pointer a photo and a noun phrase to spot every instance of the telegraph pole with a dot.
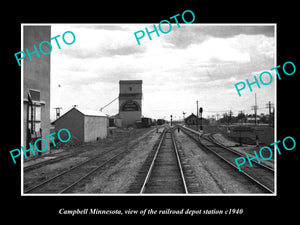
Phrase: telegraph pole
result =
(197, 116)
(269, 113)
(269, 105)
(230, 115)
(241, 116)
(255, 108)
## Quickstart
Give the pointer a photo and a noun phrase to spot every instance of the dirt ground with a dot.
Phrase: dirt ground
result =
(264, 133)
(121, 138)
(117, 177)
(245, 149)
(212, 174)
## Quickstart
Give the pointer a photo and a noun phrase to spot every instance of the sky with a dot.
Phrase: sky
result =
(196, 62)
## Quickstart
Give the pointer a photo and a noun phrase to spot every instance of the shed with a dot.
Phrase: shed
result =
(192, 120)
(84, 125)
(115, 121)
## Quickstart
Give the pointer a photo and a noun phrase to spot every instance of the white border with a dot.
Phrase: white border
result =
(125, 194)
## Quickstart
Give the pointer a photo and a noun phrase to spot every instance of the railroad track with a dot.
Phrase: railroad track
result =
(65, 181)
(258, 174)
(165, 174)
(56, 157)
(211, 138)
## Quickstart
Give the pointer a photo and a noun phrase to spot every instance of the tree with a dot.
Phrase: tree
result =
(241, 116)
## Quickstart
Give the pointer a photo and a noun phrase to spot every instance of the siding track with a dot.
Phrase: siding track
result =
(258, 174)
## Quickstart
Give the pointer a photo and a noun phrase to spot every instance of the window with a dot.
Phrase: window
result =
(34, 108)
(34, 95)
(35, 117)
(130, 88)
(34, 112)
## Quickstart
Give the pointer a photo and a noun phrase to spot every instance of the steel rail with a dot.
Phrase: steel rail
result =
(179, 164)
(81, 164)
(231, 164)
(91, 172)
(59, 175)
(211, 139)
(152, 163)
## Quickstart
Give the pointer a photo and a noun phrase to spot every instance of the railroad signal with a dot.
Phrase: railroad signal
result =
(201, 127)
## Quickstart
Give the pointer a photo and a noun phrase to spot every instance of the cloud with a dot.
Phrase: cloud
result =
(193, 62)
(217, 50)
(189, 34)
(101, 51)
(266, 48)
(100, 26)
(233, 30)
(98, 41)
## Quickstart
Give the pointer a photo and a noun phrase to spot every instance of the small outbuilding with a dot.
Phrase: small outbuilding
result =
(84, 125)
(192, 120)
(115, 121)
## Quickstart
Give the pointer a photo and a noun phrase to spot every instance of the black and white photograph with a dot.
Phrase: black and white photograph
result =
(108, 115)
(150, 111)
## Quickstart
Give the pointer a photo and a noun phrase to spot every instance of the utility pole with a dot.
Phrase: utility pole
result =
(241, 116)
(273, 115)
(255, 107)
(197, 116)
(230, 115)
(269, 105)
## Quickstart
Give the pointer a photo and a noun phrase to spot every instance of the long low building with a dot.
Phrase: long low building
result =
(84, 125)
(194, 120)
